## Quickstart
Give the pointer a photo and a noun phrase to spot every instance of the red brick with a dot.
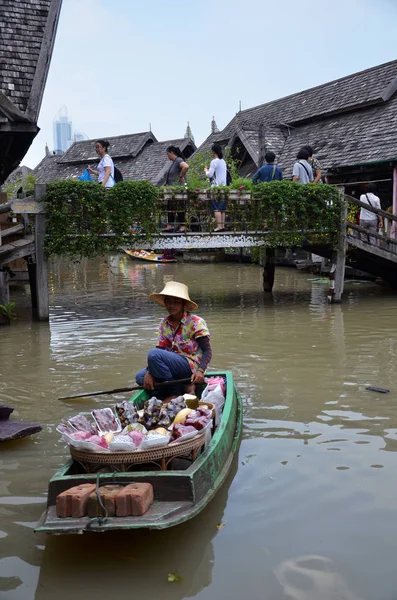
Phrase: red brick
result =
(108, 495)
(73, 502)
(134, 500)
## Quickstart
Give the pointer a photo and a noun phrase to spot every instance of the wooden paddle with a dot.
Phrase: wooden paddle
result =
(125, 389)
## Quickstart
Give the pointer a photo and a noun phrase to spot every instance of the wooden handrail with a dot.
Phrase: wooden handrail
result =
(371, 233)
(377, 211)
(12, 230)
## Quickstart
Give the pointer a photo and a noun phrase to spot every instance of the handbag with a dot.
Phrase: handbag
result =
(86, 176)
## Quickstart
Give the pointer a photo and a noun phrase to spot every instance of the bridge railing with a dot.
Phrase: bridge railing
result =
(384, 239)
(246, 211)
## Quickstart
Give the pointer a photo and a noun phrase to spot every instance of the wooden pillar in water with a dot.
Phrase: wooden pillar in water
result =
(39, 269)
(393, 233)
(268, 270)
(4, 287)
(337, 272)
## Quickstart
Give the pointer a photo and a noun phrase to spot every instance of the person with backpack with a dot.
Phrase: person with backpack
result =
(302, 171)
(268, 172)
(217, 173)
(368, 219)
(105, 167)
(176, 176)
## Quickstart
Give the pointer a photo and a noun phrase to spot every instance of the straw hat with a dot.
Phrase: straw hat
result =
(178, 290)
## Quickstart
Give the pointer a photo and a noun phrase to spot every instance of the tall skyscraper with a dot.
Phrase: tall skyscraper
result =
(63, 137)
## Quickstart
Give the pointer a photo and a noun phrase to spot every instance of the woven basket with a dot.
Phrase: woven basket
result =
(140, 456)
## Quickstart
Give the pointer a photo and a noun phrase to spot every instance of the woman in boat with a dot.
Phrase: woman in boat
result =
(105, 168)
(183, 349)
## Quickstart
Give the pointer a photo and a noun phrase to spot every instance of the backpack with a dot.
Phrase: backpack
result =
(117, 175)
(228, 176)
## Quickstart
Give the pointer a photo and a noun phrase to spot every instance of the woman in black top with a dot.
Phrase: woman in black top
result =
(175, 176)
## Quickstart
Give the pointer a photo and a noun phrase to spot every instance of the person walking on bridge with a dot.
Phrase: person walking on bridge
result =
(217, 173)
(268, 172)
(368, 219)
(302, 171)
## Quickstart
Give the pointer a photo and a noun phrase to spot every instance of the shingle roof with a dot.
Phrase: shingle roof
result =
(121, 146)
(27, 33)
(344, 140)
(151, 162)
(347, 121)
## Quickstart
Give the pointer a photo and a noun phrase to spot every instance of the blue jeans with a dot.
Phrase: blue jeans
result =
(165, 366)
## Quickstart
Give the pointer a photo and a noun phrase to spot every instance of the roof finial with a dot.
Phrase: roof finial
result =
(239, 106)
(188, 133)
(47, 150)
(214, 126)
(150, 127)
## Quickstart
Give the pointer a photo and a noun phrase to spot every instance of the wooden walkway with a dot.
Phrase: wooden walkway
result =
(376, 254)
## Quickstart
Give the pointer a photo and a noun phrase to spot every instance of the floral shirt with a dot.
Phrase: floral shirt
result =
(316, 166)
(183, 340)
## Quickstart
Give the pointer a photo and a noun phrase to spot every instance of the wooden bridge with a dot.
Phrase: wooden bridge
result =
(375, 254)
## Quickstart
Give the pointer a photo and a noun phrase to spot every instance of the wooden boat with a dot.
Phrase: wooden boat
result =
(179, 494)
(149, 256)
(14, 430)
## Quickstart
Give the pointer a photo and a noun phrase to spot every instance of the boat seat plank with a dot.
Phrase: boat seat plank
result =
(157, 513)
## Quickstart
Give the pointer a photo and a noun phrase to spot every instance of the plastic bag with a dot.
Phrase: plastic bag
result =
(215, 396)
(86, 176)
(213, 381)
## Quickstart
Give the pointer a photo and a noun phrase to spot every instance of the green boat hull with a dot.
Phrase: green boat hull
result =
(179, 495)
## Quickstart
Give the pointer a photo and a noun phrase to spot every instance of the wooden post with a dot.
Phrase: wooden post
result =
(268, 270)
(4, 294)
(337, 272)
(393, 231)
(41, 270)
(4, 287)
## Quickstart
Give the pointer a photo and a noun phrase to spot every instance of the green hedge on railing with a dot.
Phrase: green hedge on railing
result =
(293, 211)
(78, 214)
(83, 219)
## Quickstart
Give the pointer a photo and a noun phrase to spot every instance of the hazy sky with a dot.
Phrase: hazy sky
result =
(119, 65)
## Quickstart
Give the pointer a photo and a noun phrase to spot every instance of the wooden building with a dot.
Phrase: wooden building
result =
(351, 123)
(27, 35)
(139, 156)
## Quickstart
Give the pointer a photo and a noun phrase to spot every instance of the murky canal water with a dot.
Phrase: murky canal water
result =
(310, 510)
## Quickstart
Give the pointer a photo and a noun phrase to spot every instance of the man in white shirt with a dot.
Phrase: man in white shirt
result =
(302, 171)
(368, 219)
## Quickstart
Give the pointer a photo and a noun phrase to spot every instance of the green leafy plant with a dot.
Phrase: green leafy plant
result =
(84, 219)
(26, 183)
(292, 212)
(7, 311)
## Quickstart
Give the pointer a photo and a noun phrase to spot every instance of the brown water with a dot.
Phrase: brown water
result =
(310, 509)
